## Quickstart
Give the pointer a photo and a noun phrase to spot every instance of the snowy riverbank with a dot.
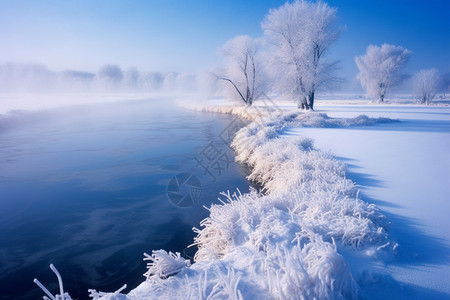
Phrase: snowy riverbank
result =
(287, 241)
(311, 234)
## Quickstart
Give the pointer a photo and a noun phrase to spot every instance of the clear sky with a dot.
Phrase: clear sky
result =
(184, 35)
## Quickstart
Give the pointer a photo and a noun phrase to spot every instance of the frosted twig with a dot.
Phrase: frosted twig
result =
(61, 287)
(44, 289)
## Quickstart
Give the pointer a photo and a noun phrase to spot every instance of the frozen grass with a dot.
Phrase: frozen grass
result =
(313, 182)
(252, 113)
(163, 264)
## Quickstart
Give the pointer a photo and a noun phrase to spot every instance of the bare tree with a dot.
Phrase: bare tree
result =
(381, 68)
(301, 33)
(242, 72)
(426, 83)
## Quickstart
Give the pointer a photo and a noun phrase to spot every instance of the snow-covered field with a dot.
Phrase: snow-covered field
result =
(312, 234)
(404, 168)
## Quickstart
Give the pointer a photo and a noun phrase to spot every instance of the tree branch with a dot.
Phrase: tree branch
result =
(237, 89)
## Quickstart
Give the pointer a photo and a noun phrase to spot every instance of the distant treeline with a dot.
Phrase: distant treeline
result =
(30, 77)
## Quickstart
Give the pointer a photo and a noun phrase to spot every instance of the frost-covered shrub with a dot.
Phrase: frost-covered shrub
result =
(162, 264)
(426, 83)
(294, 260)
(313, 181)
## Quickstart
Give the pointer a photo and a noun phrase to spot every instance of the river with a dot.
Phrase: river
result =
(90, 188)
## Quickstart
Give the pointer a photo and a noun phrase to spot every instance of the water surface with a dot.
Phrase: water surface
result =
(85, 188)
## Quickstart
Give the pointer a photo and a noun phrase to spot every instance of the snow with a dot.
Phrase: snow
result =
(404, 168)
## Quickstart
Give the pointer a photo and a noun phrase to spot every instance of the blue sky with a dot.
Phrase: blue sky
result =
(171, 35)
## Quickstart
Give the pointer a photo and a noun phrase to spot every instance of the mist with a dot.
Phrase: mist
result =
(33, 86)
(35, 78)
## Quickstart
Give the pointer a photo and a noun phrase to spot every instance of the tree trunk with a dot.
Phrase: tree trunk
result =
(303, 103)
(311, 100)
(382, 91)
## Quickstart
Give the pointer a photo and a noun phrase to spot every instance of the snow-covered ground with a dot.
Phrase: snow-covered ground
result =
(404, 168)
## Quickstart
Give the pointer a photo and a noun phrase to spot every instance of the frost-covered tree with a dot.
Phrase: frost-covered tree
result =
(187, 82)
(131, 79)
(426, 83)
(170, 81)
(26, 77)
(152, 81)
(301, 33)
(110, 76)
(72, 80)
(381, 68)
(242, 72)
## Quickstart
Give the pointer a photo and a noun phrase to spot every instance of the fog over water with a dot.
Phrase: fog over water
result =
(34, 77)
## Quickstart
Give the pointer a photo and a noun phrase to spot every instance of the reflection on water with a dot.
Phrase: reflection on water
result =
(85, 189)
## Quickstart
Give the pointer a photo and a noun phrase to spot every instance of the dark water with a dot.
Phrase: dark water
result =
(86, 189)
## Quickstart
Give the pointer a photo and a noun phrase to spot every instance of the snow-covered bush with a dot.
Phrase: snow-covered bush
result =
(426, 83)
(162, 264)
(287, 258)
(317, 189)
